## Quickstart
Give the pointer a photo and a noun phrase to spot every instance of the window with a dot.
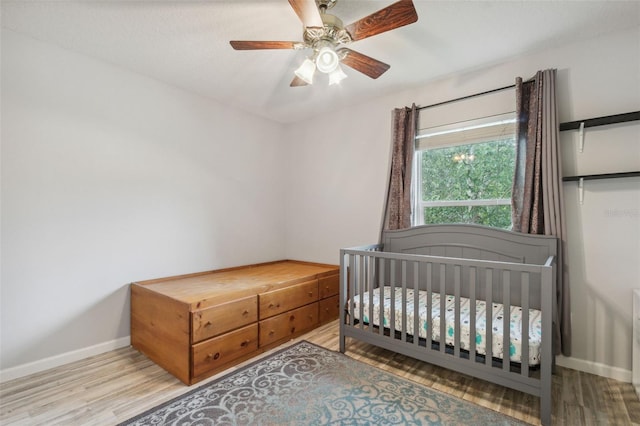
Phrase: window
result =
(464, 172)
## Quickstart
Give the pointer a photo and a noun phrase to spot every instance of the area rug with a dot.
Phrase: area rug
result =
(306, 384)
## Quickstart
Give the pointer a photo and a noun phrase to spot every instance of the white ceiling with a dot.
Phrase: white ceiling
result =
(186, 43)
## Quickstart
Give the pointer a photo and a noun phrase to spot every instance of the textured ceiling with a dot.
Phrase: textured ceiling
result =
(186, 43)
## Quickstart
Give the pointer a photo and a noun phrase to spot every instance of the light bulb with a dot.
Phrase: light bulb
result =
(336, 76)
(306, 70)
(327, 60)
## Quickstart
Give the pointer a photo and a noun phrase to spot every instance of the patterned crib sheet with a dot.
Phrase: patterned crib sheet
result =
(515, 347)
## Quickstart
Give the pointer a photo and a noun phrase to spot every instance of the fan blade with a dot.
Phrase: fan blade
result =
(363, 63)
(397, 15)
(256, 45)
(297, 82)
(308, 12)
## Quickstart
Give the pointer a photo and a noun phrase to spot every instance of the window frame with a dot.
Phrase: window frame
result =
(419, 205)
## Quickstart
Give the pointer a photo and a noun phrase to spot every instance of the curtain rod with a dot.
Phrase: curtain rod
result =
(467, 97)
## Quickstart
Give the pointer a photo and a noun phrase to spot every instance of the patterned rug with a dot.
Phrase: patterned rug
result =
(305, 384)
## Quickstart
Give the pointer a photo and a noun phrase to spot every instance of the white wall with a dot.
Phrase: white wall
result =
(338, 185)
(109, 177)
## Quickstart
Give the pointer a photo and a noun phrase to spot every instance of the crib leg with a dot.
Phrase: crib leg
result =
(342, 339)
(545, 409)
(546, 380)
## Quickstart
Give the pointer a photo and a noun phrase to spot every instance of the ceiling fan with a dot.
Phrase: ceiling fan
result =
(326, 35)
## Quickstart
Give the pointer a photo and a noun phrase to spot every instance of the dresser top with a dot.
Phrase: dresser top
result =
(214, 287)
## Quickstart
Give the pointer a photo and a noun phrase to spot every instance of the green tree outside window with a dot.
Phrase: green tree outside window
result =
(479, 171)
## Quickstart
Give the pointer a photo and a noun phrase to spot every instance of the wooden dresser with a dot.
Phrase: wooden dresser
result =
(196, 325)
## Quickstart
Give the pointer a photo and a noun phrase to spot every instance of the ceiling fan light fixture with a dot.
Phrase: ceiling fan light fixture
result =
(336, 76)
(327, 60)
(306, 70)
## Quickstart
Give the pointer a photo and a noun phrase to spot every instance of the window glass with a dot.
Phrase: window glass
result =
(465, 173)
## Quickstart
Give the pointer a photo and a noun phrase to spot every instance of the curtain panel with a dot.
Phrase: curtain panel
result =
(537, 198)
(397, 211)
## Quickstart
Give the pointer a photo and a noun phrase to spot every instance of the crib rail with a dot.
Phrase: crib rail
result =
(522, 285)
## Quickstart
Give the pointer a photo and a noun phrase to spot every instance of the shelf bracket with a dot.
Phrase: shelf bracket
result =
(581, 191)
(581, 137)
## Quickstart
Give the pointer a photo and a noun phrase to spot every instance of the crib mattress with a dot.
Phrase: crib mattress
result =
(515, 347)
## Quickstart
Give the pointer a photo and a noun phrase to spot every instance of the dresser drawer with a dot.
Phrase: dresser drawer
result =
(220, 319)
(329, 309)
(278, 301)
(329, 286)
(289, 323)
(216, 352)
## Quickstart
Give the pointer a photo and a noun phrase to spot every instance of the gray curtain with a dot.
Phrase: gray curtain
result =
(397, 211)
(537, 200)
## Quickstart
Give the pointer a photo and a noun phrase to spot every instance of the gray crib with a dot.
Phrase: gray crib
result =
(459, 296)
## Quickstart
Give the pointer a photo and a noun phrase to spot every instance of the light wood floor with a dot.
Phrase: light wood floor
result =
(112, 387)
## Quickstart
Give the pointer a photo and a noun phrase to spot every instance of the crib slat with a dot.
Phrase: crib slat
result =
(472, 313)
(456, 294)
(506, 320)
(524, 336)
(489, 318)
(381, 312)
(403, 320)
(416, 304)
(361, 289)
(429, 306)
(443, 309)
(392, 320)
(371, 284)
(351, 292)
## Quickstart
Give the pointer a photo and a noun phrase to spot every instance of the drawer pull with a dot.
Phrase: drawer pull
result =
(245, 343)
(271, 333)
(208, 324)
(245, 313)
(292, 318)
(310, 294)
(271, 306)
(293, 330)
(214, 356)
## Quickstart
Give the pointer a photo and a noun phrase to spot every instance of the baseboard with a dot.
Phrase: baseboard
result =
(56, 361)
(62, 359)
(595, 368)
